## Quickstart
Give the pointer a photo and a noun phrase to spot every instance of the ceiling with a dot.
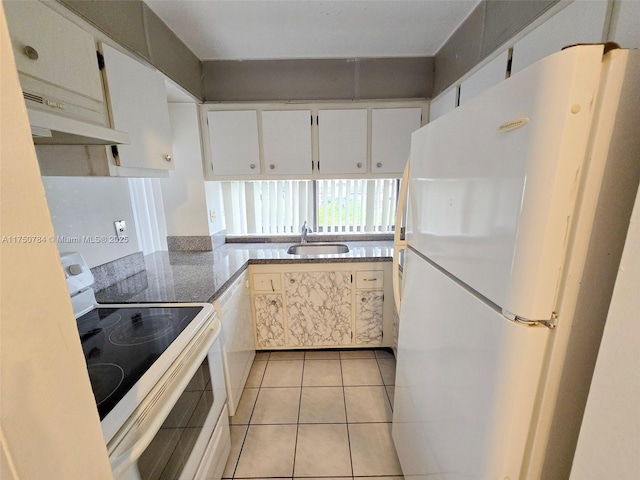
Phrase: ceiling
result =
(299, 29)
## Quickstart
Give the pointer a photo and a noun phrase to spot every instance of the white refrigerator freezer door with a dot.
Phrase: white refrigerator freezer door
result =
(466, 382)
(492, 206)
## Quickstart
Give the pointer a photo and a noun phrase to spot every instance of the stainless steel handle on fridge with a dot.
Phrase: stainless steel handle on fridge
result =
(398, 243)
(136, 434)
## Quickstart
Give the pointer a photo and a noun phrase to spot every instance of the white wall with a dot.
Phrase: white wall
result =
(49, 424)
(625, 23)
(88, 206)
(183, 193)
(609, 442)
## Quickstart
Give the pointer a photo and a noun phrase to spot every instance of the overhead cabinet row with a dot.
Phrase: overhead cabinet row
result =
(308, 141)
(69, 79)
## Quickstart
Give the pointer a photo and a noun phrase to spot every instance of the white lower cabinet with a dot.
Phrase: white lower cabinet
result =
(321, 305)
(238, 348)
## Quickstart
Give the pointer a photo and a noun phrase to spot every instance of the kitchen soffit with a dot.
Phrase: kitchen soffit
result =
(298, 29)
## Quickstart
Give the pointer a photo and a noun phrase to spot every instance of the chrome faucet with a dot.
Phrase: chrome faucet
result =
(304, 231)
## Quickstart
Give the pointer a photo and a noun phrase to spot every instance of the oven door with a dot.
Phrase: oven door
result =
(178, 431)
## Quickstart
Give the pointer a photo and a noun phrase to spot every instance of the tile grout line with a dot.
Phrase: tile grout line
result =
(295, 447)
(233, 475)
(346, 416)
(384, 385)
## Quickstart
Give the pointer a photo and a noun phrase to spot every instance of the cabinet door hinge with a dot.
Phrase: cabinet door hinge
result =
(100, 60)
(116, 155)
(509, 63)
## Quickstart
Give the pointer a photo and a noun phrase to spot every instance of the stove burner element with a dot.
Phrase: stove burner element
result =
(143, 329)
(105, 379)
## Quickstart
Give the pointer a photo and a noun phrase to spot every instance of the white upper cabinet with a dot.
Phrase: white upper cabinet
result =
(49, 47)
(138, 103)
(264, 141)
(486, 77)
(444, 103)
(391, 130)
(582, 21)
(233, 142)
(342, 141)
(286, 142)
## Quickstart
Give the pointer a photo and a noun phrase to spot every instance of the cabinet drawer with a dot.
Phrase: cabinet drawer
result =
(369, 280)
(266, 282)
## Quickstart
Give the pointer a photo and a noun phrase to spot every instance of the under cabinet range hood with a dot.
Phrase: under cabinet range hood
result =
(59, 116)
(51, 129)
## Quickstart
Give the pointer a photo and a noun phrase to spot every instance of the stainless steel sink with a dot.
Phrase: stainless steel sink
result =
(317, 249)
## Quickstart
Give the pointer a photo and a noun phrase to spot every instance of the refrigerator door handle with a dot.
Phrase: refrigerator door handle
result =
(399, 243)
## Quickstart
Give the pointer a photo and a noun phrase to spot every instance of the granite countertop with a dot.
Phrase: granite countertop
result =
(203, 276)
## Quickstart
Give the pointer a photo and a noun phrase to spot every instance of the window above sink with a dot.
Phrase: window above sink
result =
(280, 207)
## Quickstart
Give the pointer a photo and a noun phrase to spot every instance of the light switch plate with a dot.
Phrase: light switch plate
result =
(121, 228)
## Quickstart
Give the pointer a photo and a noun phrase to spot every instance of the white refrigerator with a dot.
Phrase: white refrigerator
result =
(517, 209)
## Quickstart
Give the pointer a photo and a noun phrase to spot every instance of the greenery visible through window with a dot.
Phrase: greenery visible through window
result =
(279, 207)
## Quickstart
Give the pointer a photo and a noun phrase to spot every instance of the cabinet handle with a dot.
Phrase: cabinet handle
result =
(359, 164)
(292, 280)
(31, 52)
(369, 279)
(168, 158)
(252, 166)
(272, 166)
(379, 164)
(364, 299)
(274, 303)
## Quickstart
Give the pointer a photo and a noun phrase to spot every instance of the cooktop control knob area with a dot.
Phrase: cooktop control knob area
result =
(75, 269)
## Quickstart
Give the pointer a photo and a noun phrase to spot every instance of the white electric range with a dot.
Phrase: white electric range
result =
(156, 373)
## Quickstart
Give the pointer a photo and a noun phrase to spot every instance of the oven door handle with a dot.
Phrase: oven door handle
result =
(136, 434)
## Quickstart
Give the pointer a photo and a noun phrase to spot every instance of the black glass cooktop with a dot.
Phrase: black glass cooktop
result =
(120, 344)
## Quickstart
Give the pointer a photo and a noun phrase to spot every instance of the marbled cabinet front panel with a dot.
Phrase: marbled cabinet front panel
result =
(318, 308)
(369, 309)
(269, 320)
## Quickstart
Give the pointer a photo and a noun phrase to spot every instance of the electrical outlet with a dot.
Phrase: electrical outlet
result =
(121, 228)
(212, 216)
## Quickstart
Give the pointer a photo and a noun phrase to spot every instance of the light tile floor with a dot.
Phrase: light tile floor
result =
(311, 414)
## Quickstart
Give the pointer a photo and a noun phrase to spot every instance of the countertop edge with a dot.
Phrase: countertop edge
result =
(297, 260)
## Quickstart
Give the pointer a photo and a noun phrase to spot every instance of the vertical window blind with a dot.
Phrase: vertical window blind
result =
(279, 207)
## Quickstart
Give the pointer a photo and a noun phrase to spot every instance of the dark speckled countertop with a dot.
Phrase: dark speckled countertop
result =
(203, 276)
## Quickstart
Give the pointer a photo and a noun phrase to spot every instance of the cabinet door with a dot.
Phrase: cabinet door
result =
(66, 54)
(269, 320)
(579, 22)
(138, 101)
(489, 75)
(318, 308)
(286, 142)
(238, 347)
(369, 311)
(391, 130)
(342, 137)
(443, 104)
(233, 137)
